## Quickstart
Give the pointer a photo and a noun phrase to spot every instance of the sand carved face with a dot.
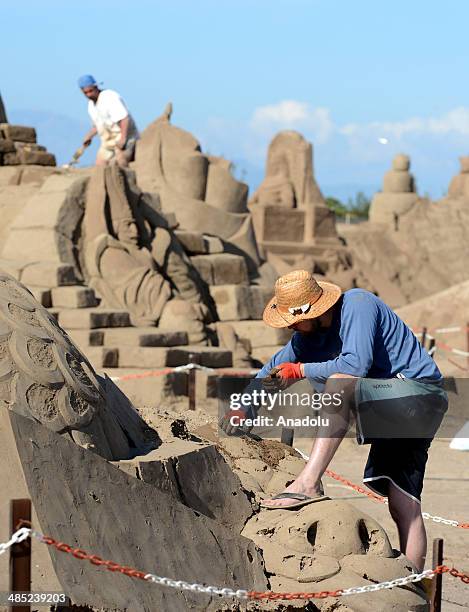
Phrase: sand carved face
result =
(127, 231)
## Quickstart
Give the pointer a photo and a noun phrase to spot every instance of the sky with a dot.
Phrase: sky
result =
(349, 76)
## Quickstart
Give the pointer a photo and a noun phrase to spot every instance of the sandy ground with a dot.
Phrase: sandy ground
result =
(446, 494)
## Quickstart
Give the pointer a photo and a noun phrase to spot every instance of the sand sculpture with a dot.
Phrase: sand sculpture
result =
(459, 185)
(290, 216)
(398, 195)
(426, 253)
(123, 490)
(133, 261)
(18, 144)
(197, 188)
(46, 378)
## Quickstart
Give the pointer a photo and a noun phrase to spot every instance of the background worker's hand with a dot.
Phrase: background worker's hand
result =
(228, 422)
(87, 141)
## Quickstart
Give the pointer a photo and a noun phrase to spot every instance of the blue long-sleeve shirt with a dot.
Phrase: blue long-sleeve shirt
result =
(366, 339)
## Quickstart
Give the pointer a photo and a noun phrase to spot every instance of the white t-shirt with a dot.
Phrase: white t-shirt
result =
(109, 109)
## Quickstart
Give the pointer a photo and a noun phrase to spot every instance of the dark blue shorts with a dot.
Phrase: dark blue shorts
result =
(399, 418)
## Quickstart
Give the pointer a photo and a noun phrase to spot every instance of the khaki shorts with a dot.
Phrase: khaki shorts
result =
(113, 154)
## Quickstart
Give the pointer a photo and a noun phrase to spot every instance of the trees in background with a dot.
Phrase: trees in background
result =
(355, 208)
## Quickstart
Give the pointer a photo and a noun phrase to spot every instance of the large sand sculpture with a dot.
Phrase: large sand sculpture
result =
(18, 144)
(102, 478)
(412, 247)
(291, 220)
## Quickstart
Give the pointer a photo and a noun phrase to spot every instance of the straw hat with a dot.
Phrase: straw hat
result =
(298, 296)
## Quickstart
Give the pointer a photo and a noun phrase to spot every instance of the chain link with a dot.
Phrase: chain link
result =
(371, 588)
(21, 534)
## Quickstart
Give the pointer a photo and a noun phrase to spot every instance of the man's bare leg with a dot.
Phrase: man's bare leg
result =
(407, 515)
(325, 446)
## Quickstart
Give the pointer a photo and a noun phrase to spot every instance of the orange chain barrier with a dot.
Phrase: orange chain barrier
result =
(25, 532)
(78, 553)
(443, 569)
(356, 487)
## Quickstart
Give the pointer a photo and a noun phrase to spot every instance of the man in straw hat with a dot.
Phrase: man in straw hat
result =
(354, 343)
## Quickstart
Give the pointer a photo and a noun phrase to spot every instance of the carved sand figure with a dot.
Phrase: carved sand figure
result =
(398, 196)
(46, 378)
(197, 188)
(293, 225)
(289, 179)
(132, 261)
(459, 185)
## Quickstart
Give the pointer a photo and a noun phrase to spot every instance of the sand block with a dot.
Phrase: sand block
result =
(73, 297)
(145, 388)
(204, 267)
(42, 295)
(239, 302)
(102, 356)
(213, 244)
(231, 301)
(21, 133)
(87, 337)
(39, 244)
(193, 242)
(209, 356)
(222, 268)
(35, 175)
(260, 334)
(143, 336)
(49, 274)
(92, 318)
(197, 475)
(143, 357)
(7, 146)
(39, 158)
(228, 268)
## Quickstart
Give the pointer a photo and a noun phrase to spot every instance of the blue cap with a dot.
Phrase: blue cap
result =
(87, 81)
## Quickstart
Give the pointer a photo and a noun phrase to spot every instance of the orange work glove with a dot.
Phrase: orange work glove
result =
(289, 370)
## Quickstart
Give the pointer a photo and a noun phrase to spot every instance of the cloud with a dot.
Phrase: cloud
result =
(350, 152)
(455, 122)
(291, 114)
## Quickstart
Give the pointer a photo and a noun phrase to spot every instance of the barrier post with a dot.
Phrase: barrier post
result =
(20, 554)
(437, 582)
(424, 337)
(191, 384)
(431, 347)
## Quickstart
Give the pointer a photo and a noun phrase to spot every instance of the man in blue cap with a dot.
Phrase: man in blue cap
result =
(111, 121)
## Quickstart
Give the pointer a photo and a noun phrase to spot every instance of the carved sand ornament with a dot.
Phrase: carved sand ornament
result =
(45, 377)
